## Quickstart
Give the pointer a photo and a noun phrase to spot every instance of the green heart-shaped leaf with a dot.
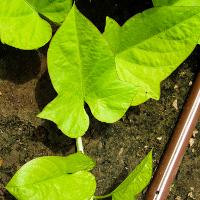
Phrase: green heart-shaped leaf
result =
(21, 26)
(82, 69)
(55, 10)
(54, 177)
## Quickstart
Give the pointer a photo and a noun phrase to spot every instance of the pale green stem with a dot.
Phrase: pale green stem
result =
(79, 144)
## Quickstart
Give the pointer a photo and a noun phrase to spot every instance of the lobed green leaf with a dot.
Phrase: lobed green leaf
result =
(136, 181)
(54, 177)
(82, 69)
(153, 44)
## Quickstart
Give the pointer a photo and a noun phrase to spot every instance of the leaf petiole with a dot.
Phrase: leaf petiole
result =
(79, 144)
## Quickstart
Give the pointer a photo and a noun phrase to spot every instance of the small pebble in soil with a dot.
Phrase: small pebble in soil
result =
(192, 140)
(171, 188)
(192, 188)
(176, 87)
(193, 150)
(195, 132)
(121, 151)
(175, 104)
(159, 138)
(190, 194)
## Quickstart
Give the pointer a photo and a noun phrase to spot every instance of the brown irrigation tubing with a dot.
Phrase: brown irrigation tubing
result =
(167, 170)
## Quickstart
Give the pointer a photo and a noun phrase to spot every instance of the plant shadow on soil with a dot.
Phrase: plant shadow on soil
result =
(18, 66)
(117, 148)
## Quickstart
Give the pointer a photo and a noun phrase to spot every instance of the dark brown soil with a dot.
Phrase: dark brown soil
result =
(25, 89)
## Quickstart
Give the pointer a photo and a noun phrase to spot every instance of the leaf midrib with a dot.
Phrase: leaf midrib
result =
(32, 8)
(38, 182)
(79, 56)
(47, 179)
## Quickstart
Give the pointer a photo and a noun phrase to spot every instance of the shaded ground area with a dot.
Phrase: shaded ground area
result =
(25, 89)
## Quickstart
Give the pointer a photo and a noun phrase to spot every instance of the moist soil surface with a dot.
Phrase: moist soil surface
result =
(25, 88)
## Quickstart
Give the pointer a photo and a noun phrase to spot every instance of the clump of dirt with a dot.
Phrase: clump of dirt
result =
(25, 89)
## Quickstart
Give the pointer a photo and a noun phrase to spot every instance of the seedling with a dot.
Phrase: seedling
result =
(110, 72)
